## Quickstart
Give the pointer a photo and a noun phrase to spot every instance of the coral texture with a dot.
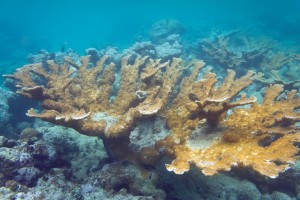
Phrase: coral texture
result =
(263, 138)
(5, 96)
(206, 127)
(238, 51)
(78, 95)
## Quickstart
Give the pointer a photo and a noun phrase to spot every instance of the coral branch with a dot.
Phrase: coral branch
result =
(213, 102)
(262, 137)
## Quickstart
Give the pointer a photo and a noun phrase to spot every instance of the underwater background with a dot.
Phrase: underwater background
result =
(40, 159)
(27, 27)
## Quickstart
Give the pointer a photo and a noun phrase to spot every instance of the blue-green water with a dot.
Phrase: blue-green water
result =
(27, 26)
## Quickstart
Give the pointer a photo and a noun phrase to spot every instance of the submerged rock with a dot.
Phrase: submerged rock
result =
(163, 28)
(5, 97)
(125, 176)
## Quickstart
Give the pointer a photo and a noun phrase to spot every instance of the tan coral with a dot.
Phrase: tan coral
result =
(212, 102)
(76, 91)
(202, 100)
(262, 139)
(74, 94)
(202, 132)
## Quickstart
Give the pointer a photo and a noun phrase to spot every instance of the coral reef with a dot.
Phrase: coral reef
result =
(170, 48)
(239, 51)
(233, 50)
(125, 175)
(194, 186)
(25, 161)
(262, 137)
(12, 113)
(211, 123)
(55, 186)
(75, 95)
(5, 96)
(141, 49)
(84, 152)
(274, 77)
(60, 163)
(160, 30)
(191, 111)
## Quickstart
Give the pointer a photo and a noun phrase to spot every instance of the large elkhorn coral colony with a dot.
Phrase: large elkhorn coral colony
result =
(211, 125)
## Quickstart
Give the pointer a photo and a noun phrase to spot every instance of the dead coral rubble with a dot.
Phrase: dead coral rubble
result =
(202, 131)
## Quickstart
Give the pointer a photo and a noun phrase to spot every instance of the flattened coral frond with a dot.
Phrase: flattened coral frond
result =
(151, 69)
(151, 108)
(35, 92)
(52, 115)
(76, 115)
(48, 115)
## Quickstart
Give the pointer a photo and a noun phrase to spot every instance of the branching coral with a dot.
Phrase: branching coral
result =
(78, 95)
(213, 103)
(276, 59)
(237, 51)
(73, 92)
(274, 77)
(232, 50)
(263, 138)
(207, 129)
(199, 102)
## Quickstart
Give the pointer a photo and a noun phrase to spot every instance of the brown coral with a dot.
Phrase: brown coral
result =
(262, 137)
(78, 95)
(202, 131)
